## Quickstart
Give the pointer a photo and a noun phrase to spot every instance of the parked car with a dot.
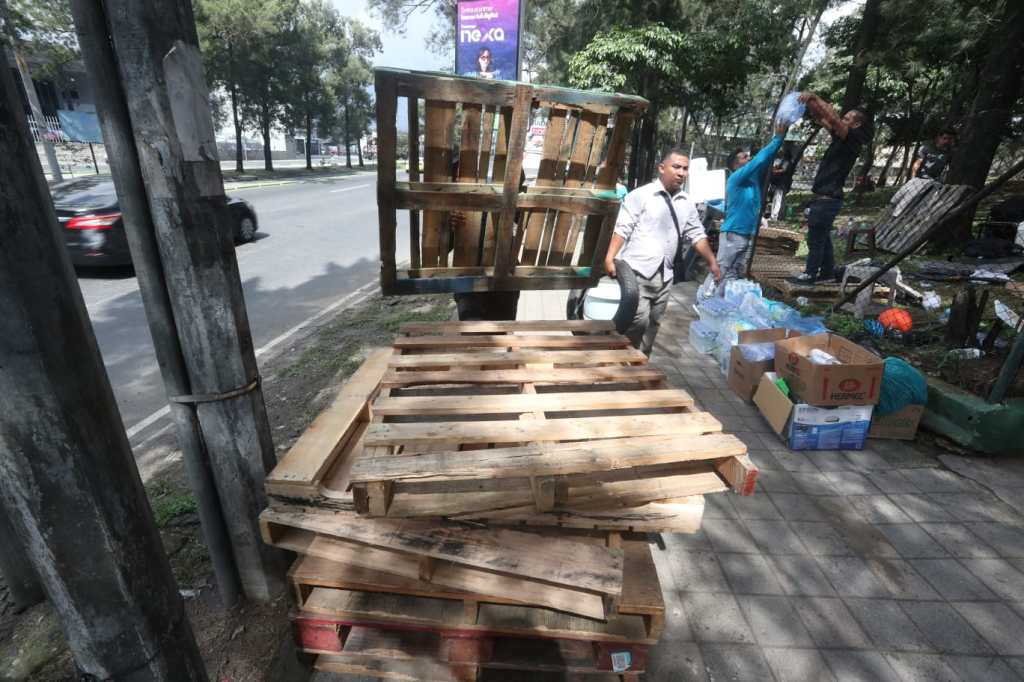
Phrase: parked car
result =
(88, 210)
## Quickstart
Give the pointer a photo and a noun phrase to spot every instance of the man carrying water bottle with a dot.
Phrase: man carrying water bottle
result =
(743, 206)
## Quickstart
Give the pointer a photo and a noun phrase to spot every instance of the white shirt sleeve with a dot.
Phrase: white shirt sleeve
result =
(629, 215)
(692, 228)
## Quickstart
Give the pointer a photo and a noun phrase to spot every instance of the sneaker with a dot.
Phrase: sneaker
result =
(802, 278)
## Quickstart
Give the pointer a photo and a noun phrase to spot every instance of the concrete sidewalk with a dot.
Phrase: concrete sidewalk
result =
(874, 565)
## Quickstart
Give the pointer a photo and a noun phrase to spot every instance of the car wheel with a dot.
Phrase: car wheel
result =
(246, 229)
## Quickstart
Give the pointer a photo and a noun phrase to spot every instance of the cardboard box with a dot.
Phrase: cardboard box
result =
(807, 427)
(857, 381)
(900, 425)
(744, 375)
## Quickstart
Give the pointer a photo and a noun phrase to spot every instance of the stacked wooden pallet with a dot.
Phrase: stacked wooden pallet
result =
(473, 490)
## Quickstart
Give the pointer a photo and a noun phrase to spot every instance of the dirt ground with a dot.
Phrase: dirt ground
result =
(243, 644)
(930, 354)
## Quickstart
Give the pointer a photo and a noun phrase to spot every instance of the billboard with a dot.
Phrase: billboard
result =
(80, 126)
(487, 39)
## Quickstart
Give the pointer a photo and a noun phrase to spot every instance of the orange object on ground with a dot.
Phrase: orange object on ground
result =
(896, 318)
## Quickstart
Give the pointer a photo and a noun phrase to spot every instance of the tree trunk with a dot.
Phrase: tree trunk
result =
(999, 86)
(904, 167)
(163, 81)
(884, 175)
(648, 141)
(359, 152)
(268, 156)
(869, 25)
(634, 156)
(233, 90)
(69, 484)
(37, 113)
(682, 132)
(348, 139)
(309, 141)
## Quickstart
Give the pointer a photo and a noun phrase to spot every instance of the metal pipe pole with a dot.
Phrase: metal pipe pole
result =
(94, 41)
(957, 213)
(1008, 373)
(68, 482)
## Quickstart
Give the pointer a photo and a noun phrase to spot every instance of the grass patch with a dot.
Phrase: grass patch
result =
(169, 502)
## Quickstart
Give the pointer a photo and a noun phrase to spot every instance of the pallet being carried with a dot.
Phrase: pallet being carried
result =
(514, 423)
(549, 235)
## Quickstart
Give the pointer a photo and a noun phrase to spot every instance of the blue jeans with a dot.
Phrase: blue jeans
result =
(821, 260)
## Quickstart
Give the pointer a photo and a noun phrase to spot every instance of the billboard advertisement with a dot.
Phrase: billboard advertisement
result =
(487, 39)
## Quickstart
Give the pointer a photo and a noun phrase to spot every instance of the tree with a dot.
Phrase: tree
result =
(318, 44)
(351, 82)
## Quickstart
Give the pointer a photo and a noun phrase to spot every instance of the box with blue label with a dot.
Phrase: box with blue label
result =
(807, 427)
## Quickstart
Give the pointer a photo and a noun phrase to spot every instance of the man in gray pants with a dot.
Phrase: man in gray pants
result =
(652, 220)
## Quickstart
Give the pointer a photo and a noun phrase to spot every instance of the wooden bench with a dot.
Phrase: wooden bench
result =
(473, 225)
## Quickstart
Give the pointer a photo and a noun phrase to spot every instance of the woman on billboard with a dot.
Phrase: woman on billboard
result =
(485, 65)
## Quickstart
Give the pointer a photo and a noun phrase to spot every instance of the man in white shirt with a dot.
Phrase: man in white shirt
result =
(651, 221)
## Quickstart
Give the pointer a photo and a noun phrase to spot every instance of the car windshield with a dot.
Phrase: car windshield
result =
(84, 193)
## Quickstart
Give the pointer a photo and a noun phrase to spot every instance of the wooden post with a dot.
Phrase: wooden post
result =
(112, 109)
(68, 482)
(37, 113)
(16, 569)
(161, 74)
(1009, 371)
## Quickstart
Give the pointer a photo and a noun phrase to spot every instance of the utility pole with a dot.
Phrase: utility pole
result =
(112, 110)
(160, 72)
(68, 483)
(37, 114)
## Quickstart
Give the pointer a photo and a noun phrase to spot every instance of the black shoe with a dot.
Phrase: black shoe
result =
(803, 278)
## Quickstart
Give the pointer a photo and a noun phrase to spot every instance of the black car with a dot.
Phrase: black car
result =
(88, 210)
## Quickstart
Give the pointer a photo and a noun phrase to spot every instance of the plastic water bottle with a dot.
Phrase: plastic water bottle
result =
(802, 301)
(820, 357)
(965, 354)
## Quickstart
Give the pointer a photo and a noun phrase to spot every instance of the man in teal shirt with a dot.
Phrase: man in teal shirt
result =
(743, 206)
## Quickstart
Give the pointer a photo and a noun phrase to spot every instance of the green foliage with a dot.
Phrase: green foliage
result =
(43, 32)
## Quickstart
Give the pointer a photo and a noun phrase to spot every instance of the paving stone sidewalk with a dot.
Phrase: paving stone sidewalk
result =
(874, 565)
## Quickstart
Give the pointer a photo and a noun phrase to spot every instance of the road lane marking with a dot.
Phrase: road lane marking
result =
(345, 189)
(349, 299)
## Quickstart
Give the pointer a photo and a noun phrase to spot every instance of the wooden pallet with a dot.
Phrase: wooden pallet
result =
(430, 657)
(574, 576)
(520, 423)
(929, 206)
(640, 597)
(551, 235)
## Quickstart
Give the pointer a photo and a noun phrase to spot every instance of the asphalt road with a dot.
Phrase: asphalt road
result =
(317, 245)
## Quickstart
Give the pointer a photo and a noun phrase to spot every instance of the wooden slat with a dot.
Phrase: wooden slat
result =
(505, 552)
(448, 88)
(336, 563)
(550, 430)
(740, 472)
(558, 375)
(387, 140)
(563, 247)
(438, 614)
(501, 147)
(440, 119)
(493, 359)
(592, 326)
(607, 175)
(596, 150)
(560, 278)
(544, 402)
(513, 169)
(467, 235)
(414, 176)
(325, 439)
(554, 459)
(536, 219)
(510, 341)
(668, 516)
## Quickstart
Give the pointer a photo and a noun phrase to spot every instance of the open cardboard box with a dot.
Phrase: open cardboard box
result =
(857, 381)
(900, 425)
(744, 375)
(807, 427)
